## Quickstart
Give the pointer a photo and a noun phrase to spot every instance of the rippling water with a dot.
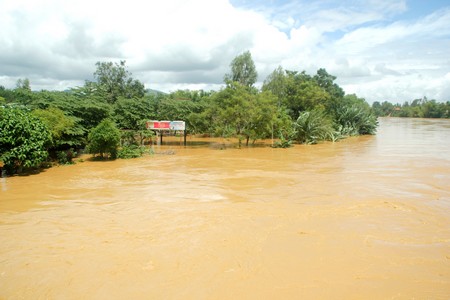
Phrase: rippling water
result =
(367, 217)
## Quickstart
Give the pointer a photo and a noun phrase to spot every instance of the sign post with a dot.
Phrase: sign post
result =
(162, 126)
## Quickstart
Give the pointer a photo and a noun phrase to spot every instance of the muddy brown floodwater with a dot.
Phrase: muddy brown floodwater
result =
(364, 218)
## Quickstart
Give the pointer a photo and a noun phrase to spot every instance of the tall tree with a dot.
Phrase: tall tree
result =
(113, 80)
(243, 70)
(237, 112)
(303, 93)
(326, 82)
(23, 84)
(276, 83)
(130, 113)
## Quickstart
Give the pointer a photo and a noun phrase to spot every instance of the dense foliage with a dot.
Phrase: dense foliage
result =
(418, 108)
(23, 139)
(104, 139)
(318, 107)
(108, 115)
(313, 126)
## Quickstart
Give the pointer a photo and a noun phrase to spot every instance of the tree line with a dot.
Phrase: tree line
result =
(418, 108)
(107, 116)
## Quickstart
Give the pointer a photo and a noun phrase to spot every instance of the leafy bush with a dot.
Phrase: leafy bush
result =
(313, 126)
(131, 151)
(128, 138)
(354, 120)
(283, 142)
(66, 157)
(104, 139)
(23, 139)
(64, 129)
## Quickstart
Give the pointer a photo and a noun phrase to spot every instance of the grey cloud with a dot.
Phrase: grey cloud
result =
(177, 59)
(182, 58)
(186, 77)
(343, 69)
(80, 44)
(382, 69)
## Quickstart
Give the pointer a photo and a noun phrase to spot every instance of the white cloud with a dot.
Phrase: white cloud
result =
(189, 44)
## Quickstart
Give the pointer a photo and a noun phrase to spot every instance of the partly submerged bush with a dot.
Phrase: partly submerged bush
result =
(283, 142)
(354, 120)
(24, 140)
(65, 157)
(131, 151)
(313, 126)
(104, 139)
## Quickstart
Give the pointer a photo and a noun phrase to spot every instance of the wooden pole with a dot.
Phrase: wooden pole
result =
(185, 134)
(160, 136)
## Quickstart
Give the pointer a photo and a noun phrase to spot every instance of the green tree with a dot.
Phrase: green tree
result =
(23, 84)
(230, 111)
(195, 95)
(276, 84)
(86, 110)
(303, 94)
(171, 109)
(263, 117)
(433, 109)
(104, 139)
(376, 107)
(113, 80)
(201, 121)
(129, 113)
(243, 70)
(90, 112)
(65, 131)
(237, 112)
(23, 139)
(387, 108)
(326, 81)
(7, 94)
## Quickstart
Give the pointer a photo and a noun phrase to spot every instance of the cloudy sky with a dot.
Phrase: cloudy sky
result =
(393, 50)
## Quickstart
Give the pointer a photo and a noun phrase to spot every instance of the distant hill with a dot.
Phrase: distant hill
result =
(154, 92)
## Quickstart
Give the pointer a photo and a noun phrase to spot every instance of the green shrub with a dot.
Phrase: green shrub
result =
(313, 126)
(354, 120)
(65, 157)
(283, 142)
(104, 139)
(131, 151)
(23, 140)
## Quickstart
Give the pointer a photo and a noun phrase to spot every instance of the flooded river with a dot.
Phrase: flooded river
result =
(364, 218)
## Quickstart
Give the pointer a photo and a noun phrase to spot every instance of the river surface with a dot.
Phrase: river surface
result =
(364, 218)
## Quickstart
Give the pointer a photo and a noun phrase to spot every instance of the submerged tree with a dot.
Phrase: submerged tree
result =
(237, 112)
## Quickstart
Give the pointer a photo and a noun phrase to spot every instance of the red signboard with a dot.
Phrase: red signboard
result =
(165, 125)
(162, 125)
